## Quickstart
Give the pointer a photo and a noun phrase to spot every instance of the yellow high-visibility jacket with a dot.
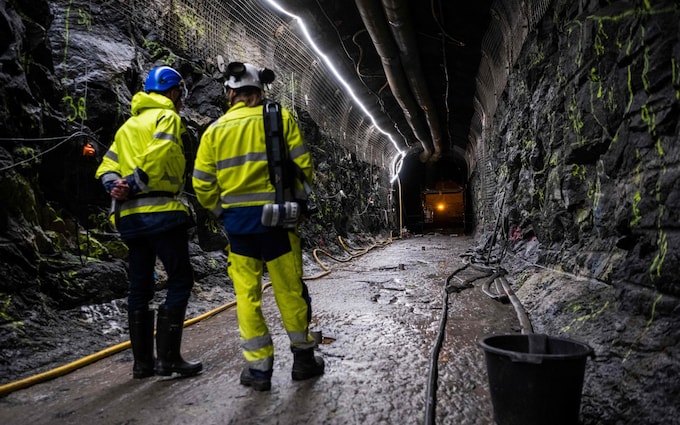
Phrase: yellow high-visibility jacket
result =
(231, 168)
(148, 150)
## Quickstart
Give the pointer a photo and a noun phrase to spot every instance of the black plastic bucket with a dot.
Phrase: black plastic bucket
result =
(535, 379)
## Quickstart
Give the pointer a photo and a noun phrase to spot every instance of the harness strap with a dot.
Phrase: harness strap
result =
(277, 153)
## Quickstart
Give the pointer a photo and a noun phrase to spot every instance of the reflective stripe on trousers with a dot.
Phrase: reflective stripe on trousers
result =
(246, 255)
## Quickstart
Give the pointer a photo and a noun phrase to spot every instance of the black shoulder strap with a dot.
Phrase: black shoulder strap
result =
(283, 171)
(277, 151)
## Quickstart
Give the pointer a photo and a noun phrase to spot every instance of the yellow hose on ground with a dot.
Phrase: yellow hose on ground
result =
(61, 370)
(70, 367)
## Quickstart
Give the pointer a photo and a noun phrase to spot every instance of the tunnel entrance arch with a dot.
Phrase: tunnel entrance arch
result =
(434, 195)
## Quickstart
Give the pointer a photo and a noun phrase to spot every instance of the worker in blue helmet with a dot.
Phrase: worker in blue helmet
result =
(143, 171)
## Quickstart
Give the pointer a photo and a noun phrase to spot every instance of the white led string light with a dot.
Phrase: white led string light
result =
(337, 75)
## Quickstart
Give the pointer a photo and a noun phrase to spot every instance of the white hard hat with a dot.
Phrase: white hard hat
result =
(246, 75)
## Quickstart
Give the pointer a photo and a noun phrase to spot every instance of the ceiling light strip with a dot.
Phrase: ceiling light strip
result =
(337, 75)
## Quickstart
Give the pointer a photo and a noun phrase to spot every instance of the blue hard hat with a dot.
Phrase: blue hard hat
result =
(161, 79)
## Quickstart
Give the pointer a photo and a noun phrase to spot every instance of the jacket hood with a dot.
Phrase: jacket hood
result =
(142, 101)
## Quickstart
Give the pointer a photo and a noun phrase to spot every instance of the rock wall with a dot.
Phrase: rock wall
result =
(68, 70)
(586, 142)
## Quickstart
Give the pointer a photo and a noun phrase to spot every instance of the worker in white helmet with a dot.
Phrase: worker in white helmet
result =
(232, 178)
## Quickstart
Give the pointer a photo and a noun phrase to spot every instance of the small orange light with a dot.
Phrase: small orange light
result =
(88, 150)
(440, 207)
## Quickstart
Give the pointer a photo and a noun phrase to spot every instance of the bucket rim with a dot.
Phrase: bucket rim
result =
(586, 350)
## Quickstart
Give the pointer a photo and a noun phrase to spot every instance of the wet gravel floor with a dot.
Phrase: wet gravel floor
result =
(379, 315)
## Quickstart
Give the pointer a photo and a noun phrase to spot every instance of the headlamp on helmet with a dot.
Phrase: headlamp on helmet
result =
(241, 74)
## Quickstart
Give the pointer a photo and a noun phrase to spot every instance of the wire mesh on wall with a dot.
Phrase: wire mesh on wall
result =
(248, 31)
(510, 23)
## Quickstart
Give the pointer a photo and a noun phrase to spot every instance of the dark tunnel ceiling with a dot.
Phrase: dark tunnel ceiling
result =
(447, 37)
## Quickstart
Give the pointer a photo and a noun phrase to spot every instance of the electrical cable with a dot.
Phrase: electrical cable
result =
(431, 396)
(66, 139)
(494, 275)
(441, 28)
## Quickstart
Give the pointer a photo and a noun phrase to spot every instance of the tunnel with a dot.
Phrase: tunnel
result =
(532, 144)
(434, 196)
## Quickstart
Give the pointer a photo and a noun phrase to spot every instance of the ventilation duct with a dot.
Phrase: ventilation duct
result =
(374, 19)
(404, 35)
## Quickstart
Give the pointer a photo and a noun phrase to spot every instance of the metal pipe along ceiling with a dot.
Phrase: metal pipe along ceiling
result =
(324, 37)
(390, 54)
(403, 32)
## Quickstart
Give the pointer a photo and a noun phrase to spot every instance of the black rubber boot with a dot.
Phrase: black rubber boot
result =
(257, 379)
(141, 323)
(306, 365)
(168, 342)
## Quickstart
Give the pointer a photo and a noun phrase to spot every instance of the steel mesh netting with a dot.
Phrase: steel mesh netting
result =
(510, 23)
(247, 31)
(486, 88)
(537, 11)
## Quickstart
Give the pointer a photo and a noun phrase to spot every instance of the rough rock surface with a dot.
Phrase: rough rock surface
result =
(586, 141)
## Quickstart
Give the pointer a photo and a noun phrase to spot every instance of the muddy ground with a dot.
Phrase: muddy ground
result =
(49, 337)
(379, 315)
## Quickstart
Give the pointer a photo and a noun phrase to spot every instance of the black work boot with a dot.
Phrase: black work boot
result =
(259, 380)
(305, 364)
(140, 323)
(168, 342)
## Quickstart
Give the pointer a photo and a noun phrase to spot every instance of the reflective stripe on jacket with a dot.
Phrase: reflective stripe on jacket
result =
(231, 163)
(148, 147)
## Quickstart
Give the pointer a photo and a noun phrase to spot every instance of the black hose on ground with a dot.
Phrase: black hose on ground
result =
(522, 316)
(493, 275)
(431, 397)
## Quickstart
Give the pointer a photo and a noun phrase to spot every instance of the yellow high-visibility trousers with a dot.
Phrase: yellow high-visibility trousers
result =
(280, 250)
